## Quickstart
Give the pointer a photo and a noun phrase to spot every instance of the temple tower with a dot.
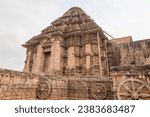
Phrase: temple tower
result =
(72, 45)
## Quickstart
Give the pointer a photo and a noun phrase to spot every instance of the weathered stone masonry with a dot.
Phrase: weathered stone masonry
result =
(74, 59)
(74, 44)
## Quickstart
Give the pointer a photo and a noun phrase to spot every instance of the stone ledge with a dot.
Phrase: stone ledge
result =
(139, 68)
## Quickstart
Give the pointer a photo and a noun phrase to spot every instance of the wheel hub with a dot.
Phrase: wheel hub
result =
(42, 89)
(134, 95)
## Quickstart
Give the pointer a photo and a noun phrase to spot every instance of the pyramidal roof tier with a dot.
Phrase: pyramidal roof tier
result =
(75, 20)
(73, 15)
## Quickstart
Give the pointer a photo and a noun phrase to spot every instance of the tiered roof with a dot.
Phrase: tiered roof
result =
(75, 20)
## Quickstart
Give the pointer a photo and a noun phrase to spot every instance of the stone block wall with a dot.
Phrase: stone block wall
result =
(137, 53)
(17, 85)
(75, 88)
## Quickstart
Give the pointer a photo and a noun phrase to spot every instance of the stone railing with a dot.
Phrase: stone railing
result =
(17, 85)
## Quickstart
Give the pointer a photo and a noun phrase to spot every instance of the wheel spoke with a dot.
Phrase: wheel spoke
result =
(144, 95)
(125, 94)
(127, 88)
(94, 88)
(46, 89)
(140, 88)
(100, 95)
(102, 89)
(42, 95)
(39, 91)
(39, 88)
(98, 88)
(41, 85)
(132, 85)
(95, 95)
(44, 92)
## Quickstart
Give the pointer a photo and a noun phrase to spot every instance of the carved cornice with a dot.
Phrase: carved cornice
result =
(35, 40)
(131, 68)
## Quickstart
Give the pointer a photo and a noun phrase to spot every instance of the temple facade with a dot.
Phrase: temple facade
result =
(72, 45)
(75, 45)
(73, 58)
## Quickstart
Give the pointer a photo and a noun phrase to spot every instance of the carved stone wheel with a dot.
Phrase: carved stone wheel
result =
(43, 89)
(133, 89)
(99, 91)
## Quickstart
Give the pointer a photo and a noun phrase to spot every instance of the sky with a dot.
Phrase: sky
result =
(20, 20)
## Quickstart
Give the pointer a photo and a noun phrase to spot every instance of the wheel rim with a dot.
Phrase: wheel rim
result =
(43, 90)
(98, 91)
(133, 89)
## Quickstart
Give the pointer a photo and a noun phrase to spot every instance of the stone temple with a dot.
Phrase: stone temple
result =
(73, 58)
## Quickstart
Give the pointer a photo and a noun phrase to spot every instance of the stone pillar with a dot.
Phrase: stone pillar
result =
(99, 52)
(39, 60)
(55, 66)
(71, 57)
(88, 57)
(34, 63)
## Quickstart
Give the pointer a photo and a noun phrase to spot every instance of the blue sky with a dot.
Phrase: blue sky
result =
(20, 20)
